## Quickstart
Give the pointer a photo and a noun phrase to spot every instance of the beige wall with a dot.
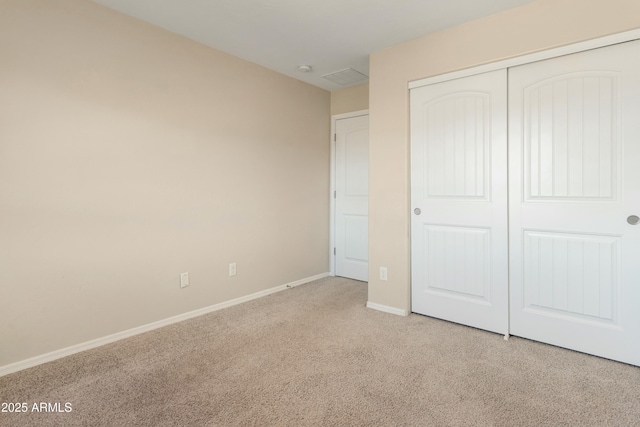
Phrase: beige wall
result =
(129, 155)
(537, 26)
(354, 98)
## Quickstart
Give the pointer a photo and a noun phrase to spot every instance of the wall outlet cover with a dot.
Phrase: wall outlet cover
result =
(232, 269)
(184, 280)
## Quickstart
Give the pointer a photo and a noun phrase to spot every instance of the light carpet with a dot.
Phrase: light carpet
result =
(315, 356)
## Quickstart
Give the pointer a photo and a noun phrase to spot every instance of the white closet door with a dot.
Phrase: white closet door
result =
(352, 198)
(574, 148)
(459, 201)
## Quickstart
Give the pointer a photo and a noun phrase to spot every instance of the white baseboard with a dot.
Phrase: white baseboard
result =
(387, 309)
(58, 354)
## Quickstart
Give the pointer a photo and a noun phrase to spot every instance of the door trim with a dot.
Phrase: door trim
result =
(623, 37)
(332, 184)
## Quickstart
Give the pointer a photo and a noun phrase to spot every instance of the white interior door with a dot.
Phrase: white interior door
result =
(459, 201)
(352, 198)
(574, 147)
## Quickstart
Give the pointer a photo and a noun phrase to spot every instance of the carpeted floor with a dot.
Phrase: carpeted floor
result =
(315, 356)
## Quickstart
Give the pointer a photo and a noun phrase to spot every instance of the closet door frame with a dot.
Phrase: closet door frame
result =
(626, 36)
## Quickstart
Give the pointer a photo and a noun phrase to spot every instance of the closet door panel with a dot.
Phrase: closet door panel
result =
(459, 201)
(574, 180)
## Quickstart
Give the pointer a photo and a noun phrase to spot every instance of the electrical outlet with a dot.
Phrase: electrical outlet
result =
(383, 273)
(232, 269)
(184, 280)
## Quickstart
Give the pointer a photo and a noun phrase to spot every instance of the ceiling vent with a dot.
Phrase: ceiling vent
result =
(346, 77)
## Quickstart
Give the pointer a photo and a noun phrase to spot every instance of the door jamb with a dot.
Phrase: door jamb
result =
(332, 184)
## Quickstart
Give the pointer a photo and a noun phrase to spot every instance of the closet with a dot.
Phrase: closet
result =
(525, 197)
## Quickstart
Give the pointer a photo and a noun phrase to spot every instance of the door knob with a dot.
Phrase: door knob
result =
(633, 220)
(417, 211)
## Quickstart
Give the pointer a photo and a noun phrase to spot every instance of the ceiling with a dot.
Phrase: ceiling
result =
(328, 35)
